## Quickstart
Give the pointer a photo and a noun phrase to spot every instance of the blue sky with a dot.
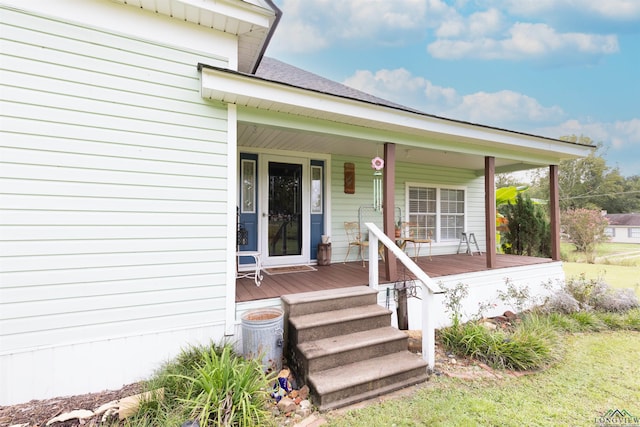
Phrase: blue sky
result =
(547, 67)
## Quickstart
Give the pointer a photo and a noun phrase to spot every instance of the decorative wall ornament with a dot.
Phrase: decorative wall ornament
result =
(377, 164)
(349, 178)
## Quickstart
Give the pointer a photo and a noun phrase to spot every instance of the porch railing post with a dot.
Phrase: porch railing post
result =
(428, 327)
(373, 261)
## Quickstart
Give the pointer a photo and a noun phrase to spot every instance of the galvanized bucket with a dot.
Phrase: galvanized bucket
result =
(262, 337)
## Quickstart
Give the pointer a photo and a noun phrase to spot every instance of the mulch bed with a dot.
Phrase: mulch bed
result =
(38, 412)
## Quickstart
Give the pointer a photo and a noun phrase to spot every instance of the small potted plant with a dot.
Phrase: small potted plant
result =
(399, 228)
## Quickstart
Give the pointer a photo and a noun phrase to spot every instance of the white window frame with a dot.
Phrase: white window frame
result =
(437, 238)
(634, 232)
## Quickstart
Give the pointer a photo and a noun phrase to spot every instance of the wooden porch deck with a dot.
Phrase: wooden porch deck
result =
(341, 275)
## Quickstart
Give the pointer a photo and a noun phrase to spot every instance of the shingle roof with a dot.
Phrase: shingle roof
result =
(278, 71)
(630, 219)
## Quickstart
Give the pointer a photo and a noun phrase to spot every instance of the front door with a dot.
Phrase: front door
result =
(285, 214)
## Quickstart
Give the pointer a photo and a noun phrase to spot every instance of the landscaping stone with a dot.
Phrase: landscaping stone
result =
(304, 392)
(287, 405)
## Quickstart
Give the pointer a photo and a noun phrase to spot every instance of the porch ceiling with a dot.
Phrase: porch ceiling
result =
(272, 138)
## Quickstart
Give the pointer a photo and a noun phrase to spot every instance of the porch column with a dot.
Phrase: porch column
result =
(389, 207)
(490, 209)
(554, 212)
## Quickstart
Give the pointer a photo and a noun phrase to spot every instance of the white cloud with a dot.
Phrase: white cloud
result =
(525, 41)
(401, 86)
(311, 25)
(621, 140)
(620, 10)
(502, 109)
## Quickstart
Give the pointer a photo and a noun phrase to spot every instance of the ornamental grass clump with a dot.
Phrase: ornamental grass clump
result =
(227, 390)
(530, 343)
(208, 385)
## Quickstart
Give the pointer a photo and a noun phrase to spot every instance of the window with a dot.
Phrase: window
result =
(610, 232)
(316, 189)
(248, 180)
(439, 212)
(634, 232)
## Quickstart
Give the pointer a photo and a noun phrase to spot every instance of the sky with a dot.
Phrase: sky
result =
(546, 67)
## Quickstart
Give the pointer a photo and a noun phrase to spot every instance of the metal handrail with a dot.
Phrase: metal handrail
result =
(429, 287)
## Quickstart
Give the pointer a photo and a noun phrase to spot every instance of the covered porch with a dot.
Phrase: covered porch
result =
(342, 275)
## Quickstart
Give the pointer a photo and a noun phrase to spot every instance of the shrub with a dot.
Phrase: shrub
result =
(453, 301)
(516, 297)
(561, 301)
(586, 228)
(580, 293)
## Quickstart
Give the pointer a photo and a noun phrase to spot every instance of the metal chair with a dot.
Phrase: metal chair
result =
(412, 233)
(354, 238)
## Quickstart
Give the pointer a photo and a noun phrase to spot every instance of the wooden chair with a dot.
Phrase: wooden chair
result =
(354, 238)
(412, 233)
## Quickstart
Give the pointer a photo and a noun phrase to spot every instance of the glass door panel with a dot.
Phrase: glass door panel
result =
(285, 209)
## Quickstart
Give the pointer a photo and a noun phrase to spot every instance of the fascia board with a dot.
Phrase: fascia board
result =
(241, 11)
(231, 87)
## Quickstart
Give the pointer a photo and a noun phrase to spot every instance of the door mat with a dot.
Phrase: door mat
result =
(272, 271)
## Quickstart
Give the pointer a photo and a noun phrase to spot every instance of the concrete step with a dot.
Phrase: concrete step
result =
(327, 324)
(348, 384)
(341, 350)
(319, 301)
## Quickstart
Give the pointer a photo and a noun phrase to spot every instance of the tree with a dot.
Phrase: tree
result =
(586, 228)
(528, 230)
(590, 183)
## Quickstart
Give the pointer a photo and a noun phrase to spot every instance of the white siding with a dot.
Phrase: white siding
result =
(345, 206)
(113, 176)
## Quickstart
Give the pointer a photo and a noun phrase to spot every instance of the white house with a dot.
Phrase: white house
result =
(133, 134)
(624, 228)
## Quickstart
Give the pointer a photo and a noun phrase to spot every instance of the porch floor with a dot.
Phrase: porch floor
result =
(339, 275)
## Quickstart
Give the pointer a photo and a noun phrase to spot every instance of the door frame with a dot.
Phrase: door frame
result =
(263, 185)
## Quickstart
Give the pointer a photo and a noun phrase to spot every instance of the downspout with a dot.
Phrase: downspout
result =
(274, 24)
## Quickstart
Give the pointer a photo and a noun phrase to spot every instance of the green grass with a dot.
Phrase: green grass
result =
(599, 371)
(626, 254)
(616, 276)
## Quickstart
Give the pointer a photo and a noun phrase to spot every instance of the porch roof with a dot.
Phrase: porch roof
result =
(335, 113)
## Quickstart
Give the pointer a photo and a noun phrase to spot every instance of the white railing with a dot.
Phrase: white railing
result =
(429, 288)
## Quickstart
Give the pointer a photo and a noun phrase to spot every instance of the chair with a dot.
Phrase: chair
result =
(354, 238)
(411, 232)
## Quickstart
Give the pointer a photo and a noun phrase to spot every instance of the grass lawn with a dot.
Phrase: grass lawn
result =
(617, 276)
(627, 254)
(564, 395)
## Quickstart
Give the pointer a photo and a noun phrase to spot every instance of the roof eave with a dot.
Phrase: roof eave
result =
(237, 88)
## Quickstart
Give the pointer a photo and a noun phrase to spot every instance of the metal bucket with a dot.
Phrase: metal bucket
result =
(263, 336)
